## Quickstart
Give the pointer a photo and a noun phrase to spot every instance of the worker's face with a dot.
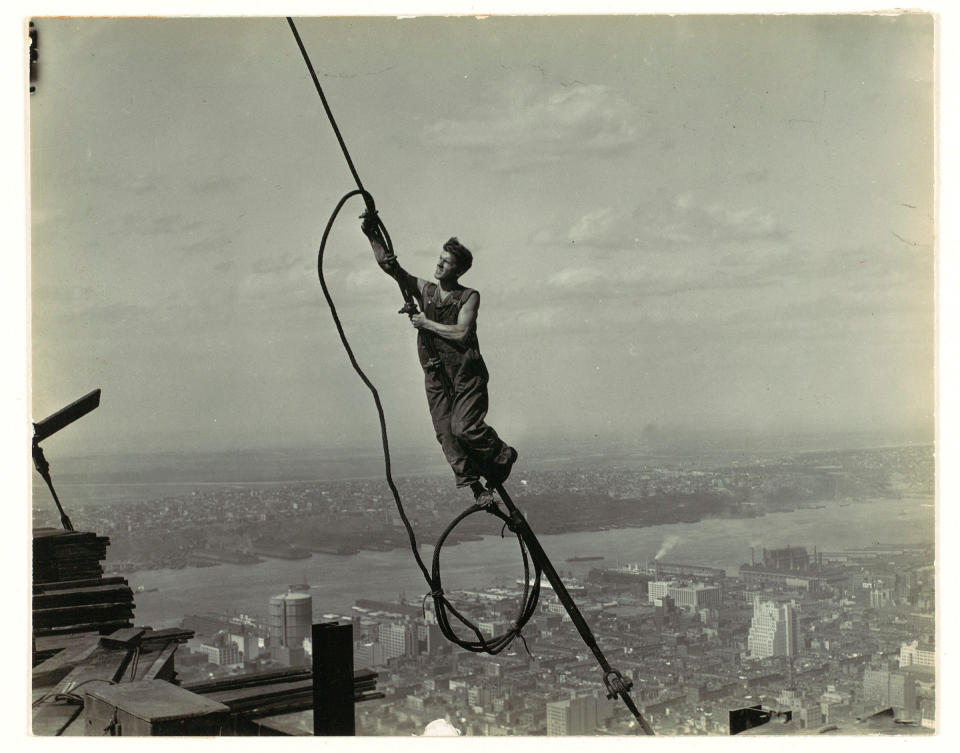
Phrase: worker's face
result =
(446, 267)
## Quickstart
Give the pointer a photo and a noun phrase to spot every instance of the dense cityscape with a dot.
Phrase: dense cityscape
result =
(830, 636)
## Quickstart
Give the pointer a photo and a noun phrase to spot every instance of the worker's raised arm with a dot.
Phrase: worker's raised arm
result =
(466, 321)
(388, 261)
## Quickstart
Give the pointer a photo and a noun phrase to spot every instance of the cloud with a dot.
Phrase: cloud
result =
(89, 323)
(601, 227)
(289, 280)
(220, 184)
(164, 224)
(44, 216)
(531, 125)
(682, 220)
(277, 285)
(279, 263)
(741, 223)
(363, 281)
(571, 278)
(117, 183)
(657, 276)
(691, 260)
(673, 246)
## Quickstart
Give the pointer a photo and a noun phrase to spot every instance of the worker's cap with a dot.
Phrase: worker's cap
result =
(460, 253)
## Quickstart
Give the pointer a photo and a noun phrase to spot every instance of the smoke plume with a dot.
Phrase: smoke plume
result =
(668, 543)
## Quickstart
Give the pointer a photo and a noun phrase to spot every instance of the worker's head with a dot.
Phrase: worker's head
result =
(455, 260)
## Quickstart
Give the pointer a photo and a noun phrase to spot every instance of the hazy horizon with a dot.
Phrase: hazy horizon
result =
(718, 226)
(302, 463)
(652, 439)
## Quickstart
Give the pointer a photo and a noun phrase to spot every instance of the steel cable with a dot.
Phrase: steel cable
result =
(442, 606)
(613, 680)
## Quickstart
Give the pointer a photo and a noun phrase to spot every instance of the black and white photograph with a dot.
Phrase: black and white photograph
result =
(467, 376)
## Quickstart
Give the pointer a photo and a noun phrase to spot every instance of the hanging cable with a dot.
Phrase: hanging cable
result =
(442, 606)
(326, 106)
(616, 684)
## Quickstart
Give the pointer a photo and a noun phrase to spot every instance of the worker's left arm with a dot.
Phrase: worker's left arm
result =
(466, 321)
(388, 261)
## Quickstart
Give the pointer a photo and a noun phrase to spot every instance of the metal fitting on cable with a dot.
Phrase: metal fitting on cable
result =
(616, 683)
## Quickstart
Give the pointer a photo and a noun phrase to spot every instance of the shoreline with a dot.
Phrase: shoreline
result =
(392, 543)
(337, 581)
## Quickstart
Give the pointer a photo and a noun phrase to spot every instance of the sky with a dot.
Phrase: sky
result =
(713, 224)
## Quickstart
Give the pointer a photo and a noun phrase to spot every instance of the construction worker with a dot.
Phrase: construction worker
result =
(448, 322)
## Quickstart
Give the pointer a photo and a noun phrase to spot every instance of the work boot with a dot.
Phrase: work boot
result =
(482, 497)
(500, 472)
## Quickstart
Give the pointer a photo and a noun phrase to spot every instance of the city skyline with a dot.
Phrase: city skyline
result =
(751, 286)
(845, 537)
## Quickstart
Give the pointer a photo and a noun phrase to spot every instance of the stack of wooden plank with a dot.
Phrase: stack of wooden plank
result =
(67, 555)
(281, 692)
(126, 655)
(70, 594)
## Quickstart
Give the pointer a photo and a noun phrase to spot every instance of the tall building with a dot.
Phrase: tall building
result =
(891, 688)
(690, 597)
(773, 630)
(430, 639)
(880, 597)
(248, 643)
(806, 712)
(398, 639)
(291, 620)
(572, 716)
(809, 713)
(917, 654)
(367, 654)
(656, 590)
(221, 650)
(481, 694)
(696, 596)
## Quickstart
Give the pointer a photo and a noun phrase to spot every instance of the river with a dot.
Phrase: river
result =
(340, 580)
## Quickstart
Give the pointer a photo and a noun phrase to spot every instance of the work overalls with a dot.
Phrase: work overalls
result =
(470, 445)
